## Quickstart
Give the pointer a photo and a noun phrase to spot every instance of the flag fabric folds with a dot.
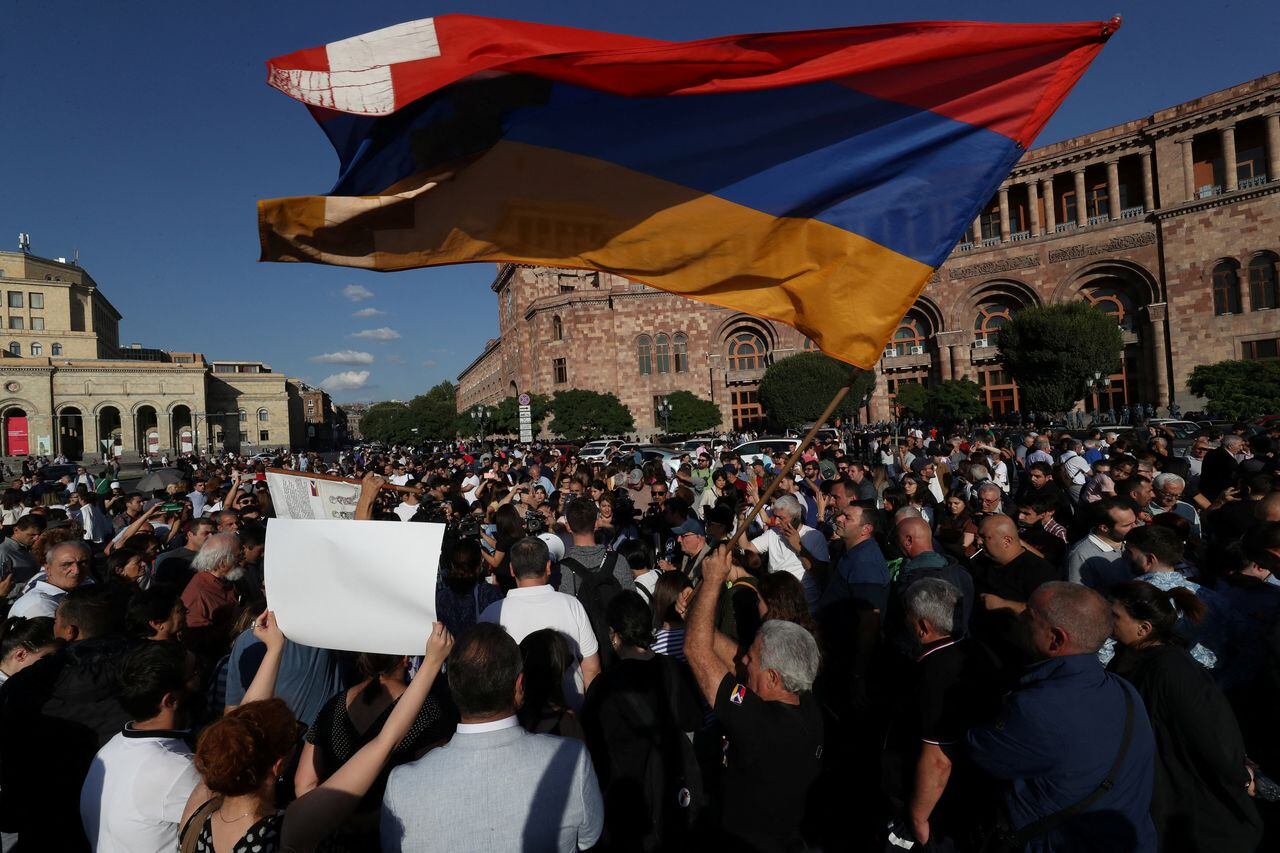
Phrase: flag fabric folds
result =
(816, 178)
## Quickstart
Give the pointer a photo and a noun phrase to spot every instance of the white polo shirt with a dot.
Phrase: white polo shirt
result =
(136, 790)
(783, 559)
(532, 608)
(41, 600)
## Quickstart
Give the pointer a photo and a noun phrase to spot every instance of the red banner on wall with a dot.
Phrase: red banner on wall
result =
(16, 435)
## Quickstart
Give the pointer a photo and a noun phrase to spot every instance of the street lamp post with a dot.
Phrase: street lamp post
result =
(664, 412)
(480, 417)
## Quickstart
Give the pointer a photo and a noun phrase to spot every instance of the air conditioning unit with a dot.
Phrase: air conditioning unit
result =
(890, 352)
(917, 350)
(980, 343)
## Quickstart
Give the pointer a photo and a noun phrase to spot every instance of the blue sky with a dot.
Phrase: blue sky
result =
(142, 133)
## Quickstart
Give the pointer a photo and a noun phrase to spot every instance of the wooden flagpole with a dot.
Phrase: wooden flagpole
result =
(391, 487)
(795, 455)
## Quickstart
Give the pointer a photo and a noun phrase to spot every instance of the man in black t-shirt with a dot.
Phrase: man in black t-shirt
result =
(1005, 574)
(773, 726)
(929, 782)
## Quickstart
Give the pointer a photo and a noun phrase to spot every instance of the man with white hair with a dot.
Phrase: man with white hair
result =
(66, 567)
(792, 546)
(1220, 466)
(1167, 490)
(773, 723)
(210, 596)
(952, 691)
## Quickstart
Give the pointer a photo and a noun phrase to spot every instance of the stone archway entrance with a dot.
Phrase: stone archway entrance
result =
(71, 433)
(16, 437)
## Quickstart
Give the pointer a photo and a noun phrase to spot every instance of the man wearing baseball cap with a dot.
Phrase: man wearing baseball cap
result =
(692, 540)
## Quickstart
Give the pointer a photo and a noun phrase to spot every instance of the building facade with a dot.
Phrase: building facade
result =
(67, 387)
(1170, 223)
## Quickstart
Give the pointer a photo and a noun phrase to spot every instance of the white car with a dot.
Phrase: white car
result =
(764, 449)
(597, 451)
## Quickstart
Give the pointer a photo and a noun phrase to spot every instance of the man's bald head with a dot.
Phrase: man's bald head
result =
(1268, 509)
(1067, 619)
(998, 535)
(914, 536)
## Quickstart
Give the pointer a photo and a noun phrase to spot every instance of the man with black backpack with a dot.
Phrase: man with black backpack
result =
(592, 573)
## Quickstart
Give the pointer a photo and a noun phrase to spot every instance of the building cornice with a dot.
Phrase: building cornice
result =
(1220, 200)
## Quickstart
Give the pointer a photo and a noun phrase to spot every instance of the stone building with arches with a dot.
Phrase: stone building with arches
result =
(67, 386)
(1170, 223)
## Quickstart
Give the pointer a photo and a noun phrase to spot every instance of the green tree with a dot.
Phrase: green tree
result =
(1238, 389)
(581, 414)
(435, 413)
(1052, 351)
(795, 390)
(390, 423)
(912, 398)
(956, 400)
(690, 413)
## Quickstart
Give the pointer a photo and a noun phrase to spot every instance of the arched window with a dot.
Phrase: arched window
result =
(15, 347)
(244, 416)
(1226, 288)
(662, 351)
(680, 350)
(992, 314)
(909, 336)
(1115, 303)
(644, 352)
(1263, 291)
(747, 351)
(262, 415)
(37, 349)
(557, 328)
(57, 349)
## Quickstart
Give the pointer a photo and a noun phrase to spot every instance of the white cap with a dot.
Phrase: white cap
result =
(115, 484)
(554, 544)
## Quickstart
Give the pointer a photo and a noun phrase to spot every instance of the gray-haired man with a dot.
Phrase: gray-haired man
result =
(773, 723)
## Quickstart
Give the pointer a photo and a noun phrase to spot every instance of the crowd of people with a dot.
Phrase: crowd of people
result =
(952, 639)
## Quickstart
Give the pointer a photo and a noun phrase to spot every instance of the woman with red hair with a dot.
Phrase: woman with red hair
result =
(242, 755)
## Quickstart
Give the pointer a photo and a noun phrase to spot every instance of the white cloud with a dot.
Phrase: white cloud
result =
(347, 380)
(382, 334)
(357, 292)
(346, 356)
(368, 312)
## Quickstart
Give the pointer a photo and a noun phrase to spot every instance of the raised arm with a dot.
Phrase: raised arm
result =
(369, 488)
(263, 685)
(131, 529)
(313, 816)
(700, 630)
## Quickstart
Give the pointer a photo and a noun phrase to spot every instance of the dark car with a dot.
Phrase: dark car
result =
(54, 473)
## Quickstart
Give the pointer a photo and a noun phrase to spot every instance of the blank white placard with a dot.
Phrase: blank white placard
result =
(361, 586)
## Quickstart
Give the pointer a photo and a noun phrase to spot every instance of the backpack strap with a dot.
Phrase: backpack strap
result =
(1048, 822)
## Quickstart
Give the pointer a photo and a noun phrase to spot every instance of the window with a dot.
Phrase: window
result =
(244, 437)
(909, 335)
(680, 349)
(1253, 350)
(244, 416)
(1097, 202)
(561, 370)
(746, 409)
(992, 314)
(15, 323)
(311, 405)
(262, 415)
(1263, 292)
(15, 298)
(1115, 303)
(662, 351)
(57, 349)
(566, 288)
(37, 324)
(746, 351)
(37, 349)
(1226, 288)
(264, 436)
(15, 348)
(37, 300)
(991, 223)
(557, 328)
(644, 354)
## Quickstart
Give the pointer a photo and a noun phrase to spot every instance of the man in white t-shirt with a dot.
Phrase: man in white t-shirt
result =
(139, 783)
(470, 483)
(534, 605)
(793, 546)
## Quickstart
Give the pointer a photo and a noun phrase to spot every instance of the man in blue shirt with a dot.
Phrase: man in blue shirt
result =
(1061, 730)
(862, 573)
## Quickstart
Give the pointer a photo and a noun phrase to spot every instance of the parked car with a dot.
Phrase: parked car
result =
(670, 456)
(598, 451)
(54, 473)
(764, 448)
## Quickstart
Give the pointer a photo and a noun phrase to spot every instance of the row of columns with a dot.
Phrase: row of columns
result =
(954, 348)
(1044, 188)
(1227, 140)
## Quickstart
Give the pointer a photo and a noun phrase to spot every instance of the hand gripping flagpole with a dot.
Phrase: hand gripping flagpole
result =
(795, 455)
